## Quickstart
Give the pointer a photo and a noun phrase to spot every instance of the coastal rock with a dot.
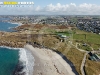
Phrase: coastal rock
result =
(12, 44)
(19, 69)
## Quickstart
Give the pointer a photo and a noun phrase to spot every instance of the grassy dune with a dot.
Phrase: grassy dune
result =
(76, 57)
(92, 67)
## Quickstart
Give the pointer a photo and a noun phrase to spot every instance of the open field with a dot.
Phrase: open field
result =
(86, 37)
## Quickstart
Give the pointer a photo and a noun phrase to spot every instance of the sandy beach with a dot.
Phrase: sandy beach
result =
(48, 62)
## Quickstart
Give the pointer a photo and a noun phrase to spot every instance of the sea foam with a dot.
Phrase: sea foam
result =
(27, 59)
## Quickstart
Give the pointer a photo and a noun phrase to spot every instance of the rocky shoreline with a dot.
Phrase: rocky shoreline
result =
(19, 69)
(12, 44)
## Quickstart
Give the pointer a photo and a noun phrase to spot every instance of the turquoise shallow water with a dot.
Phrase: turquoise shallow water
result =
(8, 60)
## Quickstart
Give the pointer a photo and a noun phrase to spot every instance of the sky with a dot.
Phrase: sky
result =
(53, 7)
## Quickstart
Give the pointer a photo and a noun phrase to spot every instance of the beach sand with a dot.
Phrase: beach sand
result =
(48, 62)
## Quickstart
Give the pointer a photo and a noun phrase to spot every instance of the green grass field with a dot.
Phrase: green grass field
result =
(64, 33)
(87, 48)
(86, 37)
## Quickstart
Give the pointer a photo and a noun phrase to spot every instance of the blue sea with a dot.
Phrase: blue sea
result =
(8, 60)
(5, 26)
(10, 57)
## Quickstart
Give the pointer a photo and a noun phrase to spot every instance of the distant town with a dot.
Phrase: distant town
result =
(86, 23)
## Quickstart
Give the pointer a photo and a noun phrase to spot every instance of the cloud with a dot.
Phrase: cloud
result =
(38, 8)
(55, 8)
(58, 9)
(72, 8)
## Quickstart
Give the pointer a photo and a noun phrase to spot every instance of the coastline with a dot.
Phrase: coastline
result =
(11, 27)
(25, 60)
(18, 23)
(47, 62)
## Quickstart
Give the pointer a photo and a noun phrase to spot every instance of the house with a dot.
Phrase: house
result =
(62, 37)
(94, 57)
